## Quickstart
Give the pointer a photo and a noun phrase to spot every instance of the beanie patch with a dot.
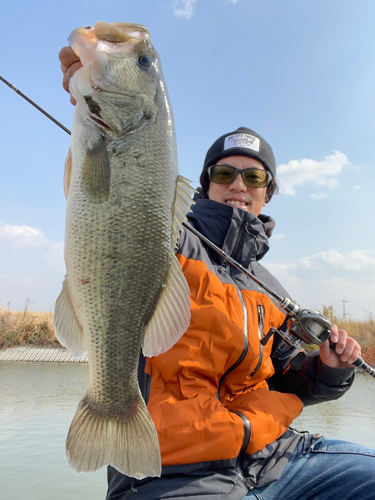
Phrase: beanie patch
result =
(246, 141)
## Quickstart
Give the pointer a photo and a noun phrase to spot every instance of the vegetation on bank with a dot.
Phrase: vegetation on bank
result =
(362, 331)
(26, 327)
(18, 328)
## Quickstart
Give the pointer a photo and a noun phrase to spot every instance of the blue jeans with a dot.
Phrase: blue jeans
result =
(324, 469)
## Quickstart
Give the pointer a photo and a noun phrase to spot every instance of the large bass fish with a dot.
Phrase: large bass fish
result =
(124, 289)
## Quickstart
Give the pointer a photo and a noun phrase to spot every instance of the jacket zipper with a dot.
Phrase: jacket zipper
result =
(260, 334)
(244, 350)
(246, 422)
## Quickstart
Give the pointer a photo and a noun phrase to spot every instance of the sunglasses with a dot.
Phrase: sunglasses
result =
(252, 177)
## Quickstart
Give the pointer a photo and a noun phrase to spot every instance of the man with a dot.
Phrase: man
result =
(222, 402)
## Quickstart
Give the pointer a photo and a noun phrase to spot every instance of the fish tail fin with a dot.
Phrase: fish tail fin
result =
(130, 443)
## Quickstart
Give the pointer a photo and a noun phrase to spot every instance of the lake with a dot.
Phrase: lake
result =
(37, 404)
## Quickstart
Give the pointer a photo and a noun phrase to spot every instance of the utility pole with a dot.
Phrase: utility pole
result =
(343, 307)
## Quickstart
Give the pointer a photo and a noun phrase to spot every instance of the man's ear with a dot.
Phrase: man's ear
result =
(266, 198)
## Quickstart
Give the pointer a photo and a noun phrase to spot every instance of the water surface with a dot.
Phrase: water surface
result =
(37, 404)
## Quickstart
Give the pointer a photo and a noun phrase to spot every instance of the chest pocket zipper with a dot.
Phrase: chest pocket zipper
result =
(260, 334)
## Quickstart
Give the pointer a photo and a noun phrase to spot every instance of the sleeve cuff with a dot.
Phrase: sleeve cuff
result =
(334, 376)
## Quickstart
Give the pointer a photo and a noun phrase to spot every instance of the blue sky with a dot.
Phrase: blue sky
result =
(300, 73)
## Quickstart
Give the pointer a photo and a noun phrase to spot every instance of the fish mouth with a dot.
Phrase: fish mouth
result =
(121, 32)
(84, 40)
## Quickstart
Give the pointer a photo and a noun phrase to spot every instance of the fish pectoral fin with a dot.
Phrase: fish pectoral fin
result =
(96, 172)
(182, 205)
(67, 328)
(67, 172)
(172, 313)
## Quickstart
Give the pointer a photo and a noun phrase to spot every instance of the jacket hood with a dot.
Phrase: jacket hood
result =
(240, 234)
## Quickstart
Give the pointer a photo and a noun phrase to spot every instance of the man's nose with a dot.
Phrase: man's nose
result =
(238, 184)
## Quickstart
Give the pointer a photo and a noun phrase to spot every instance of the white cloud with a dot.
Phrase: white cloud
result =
(284, 272)
(298, 172)
(184, 8)
(356, 188)
(233, 1)
(21, 236)
(278, 237)
(319, 196)
(356, 261)
(328, 278)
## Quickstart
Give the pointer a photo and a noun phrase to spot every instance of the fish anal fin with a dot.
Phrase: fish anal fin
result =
(67, 328)
(182, 206)
(67, 173)
(96, 172)
(171, 317)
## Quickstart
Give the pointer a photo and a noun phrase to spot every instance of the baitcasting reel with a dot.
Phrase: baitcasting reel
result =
(305, 327)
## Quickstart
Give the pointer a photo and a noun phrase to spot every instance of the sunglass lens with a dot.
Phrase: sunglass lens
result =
(255, 178)
(223, 174)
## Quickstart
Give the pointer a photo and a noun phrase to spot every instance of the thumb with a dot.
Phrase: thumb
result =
(325, 351)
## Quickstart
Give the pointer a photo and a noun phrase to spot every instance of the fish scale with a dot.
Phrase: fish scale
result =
(124, 290)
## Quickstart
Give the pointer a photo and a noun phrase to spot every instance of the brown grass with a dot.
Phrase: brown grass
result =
(362, 331)
(36, 328)
(26, 328)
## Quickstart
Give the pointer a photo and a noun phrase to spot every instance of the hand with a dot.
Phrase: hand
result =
(345, 353)
(70, 63)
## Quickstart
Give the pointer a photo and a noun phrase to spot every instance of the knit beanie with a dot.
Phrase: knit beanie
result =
(243, 142)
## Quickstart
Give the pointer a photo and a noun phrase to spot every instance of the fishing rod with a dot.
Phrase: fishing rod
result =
(305, 326)
(35, 105)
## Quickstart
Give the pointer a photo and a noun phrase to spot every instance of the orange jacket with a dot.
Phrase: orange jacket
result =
(209, 396)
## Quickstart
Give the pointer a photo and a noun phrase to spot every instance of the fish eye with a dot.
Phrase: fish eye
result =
(145, 62)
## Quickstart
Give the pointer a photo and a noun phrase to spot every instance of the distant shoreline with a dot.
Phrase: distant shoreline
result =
(40, 354)
(35, 329)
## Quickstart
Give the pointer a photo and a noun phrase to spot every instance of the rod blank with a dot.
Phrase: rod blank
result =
(35, 105)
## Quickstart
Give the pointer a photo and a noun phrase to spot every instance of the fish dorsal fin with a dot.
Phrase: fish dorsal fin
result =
(171, 317)
(67, 173)
(67, 328)
(182, 205)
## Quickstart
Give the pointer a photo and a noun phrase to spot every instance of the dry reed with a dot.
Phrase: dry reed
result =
(26, 328)
(36, 328)
(362, 331)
